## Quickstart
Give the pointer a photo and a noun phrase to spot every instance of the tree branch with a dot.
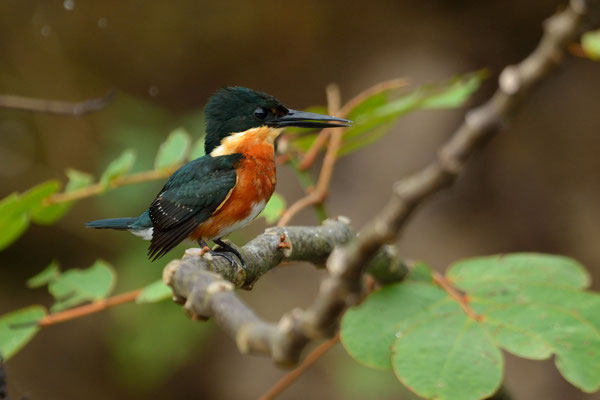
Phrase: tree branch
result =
(55, 106)
(206, 294)
(205, 283)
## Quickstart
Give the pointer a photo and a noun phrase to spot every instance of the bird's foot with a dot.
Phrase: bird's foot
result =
(225, 251)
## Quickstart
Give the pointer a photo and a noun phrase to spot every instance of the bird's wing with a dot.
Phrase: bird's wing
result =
(189, 197)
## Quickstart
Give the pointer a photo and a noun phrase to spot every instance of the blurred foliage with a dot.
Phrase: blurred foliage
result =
(174, 150)
(590, 41)
(374, 115)
(531, 305)
(154, 292)
(17, 328)
(76, 286)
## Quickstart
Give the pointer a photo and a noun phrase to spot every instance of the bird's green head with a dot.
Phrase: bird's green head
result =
(237, 109)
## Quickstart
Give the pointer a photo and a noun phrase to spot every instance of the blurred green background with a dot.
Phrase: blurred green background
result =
(534, 188)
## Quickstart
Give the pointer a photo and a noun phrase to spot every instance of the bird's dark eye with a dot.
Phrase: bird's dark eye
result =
(260, 113)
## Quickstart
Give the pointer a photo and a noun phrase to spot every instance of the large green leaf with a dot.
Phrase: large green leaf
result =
(532, 305)
(368, 331)
(118, 167)
(590, 41)
(17, 328)
(47, 215)
(76, 286)
(174, 150)
(274, 208)
(447, 356)
(522, 268)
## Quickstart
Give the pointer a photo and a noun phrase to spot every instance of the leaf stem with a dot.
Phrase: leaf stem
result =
(88, 309)
(99, 188)
(460, 298)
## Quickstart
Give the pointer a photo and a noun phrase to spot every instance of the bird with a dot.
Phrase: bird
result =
(218, 193)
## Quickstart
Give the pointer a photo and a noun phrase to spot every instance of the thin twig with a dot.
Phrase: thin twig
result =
(56, 106)
(99, 188)
(88, 309)
(293, 375)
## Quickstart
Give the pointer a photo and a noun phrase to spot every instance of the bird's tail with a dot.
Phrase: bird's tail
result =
(112, 223)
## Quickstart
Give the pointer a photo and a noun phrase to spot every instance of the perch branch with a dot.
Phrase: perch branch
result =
(206, 294)
(205, 283)
(55, 106)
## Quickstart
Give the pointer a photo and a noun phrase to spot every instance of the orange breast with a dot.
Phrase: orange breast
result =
(256, 178)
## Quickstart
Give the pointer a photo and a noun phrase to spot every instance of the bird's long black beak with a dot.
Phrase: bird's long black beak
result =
(303, 119)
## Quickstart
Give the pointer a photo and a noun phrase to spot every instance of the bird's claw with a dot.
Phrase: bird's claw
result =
(229, 256)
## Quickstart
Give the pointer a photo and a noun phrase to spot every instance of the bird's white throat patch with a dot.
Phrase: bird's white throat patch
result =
(232, 143)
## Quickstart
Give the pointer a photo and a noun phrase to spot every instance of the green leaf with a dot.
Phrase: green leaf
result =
(369, 104)
(46, 215)
(355, 143)
(456, 93)
(17, 328)
(174, 150)
(77, 180)
(532, 305)
(520, 268)
(369, 330)
(47, 275)
(13, 220)
(76, 286)
(15, 210)
(118, 167)
(421, 272)
(197, 149)
(274, 208)
(447, 357)
(32, 199)
(590, 41)
(155, 292)
(373, 121)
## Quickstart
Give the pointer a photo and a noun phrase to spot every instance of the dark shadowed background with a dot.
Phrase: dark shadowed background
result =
(534, 188)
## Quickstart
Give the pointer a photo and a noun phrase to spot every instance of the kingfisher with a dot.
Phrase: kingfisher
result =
(222, 191)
